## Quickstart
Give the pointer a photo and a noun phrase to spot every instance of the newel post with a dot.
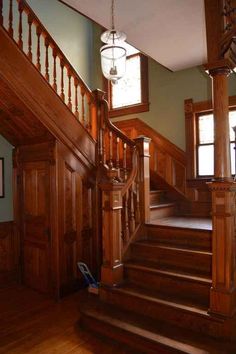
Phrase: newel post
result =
(223, 295)
(112, 267)
(143, 144)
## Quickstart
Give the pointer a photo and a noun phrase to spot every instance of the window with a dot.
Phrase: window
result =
(205, 143)
(130, 94)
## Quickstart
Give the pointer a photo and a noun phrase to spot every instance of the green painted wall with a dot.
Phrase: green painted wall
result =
(71, 31)
(6, 204)
(167, 92)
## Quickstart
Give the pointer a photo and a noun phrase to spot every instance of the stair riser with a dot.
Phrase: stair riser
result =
(191, 290)
(185, 260)
(161, 212)
(140, 344)
(157, 197)
(180, 237)
(166, 313)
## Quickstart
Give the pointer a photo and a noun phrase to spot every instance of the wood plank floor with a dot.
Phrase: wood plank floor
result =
(32, 323)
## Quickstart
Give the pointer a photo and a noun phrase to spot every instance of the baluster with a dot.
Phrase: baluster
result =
(46, 42)
(76, 98)
(89, 118)
(110, 163)
(10, 20)
(1, 16)
(83, 108)
(132, 210)
(69, 104)
(126, 216)
(118, 153)
(54, 85)
(29, 54)
(62, 95)
(20, 42)
(125, 161)
(137, 206)
(38, 32)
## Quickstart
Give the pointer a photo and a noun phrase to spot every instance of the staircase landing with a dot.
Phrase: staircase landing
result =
(184, 222)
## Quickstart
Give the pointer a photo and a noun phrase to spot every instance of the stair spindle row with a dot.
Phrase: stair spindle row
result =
(48, 59)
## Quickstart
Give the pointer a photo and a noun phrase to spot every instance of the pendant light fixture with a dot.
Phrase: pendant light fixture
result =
(113, 53)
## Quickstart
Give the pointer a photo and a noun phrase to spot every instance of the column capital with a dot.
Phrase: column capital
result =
(221, 67)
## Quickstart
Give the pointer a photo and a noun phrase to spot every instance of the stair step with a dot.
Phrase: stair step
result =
(188, 286)
(184, 259)
(180, 314)
(145, 335)
(179, 236)
(157, 196)
(161, 210)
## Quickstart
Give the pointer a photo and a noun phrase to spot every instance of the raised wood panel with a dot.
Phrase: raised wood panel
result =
(9, 253)
(36, 237)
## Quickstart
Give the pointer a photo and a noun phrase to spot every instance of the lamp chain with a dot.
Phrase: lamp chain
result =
(112, 14)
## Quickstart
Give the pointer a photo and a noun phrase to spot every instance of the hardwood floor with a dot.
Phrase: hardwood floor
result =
(32, 323)
(185, 222)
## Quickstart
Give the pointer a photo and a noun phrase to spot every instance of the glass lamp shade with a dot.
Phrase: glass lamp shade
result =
(113, 62)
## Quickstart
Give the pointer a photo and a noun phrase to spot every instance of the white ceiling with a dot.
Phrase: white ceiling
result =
(172, 32)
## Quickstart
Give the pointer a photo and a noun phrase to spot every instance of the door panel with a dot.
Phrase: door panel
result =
(36, 231)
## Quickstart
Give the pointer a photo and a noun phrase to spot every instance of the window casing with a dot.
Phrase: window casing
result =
(130, 95)
(200, 138)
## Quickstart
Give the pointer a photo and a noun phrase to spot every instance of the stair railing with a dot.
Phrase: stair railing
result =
(125, 192)
(24, 27)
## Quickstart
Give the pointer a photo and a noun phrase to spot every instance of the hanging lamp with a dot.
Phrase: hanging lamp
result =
(113, 53)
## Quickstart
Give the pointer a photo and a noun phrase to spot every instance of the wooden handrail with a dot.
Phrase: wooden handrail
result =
(50, 61)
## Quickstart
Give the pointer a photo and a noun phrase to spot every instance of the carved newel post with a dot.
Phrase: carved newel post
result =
(222, 296)
(143, 144)
(112, 267)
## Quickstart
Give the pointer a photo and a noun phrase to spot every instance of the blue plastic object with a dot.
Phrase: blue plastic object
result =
(87, 275)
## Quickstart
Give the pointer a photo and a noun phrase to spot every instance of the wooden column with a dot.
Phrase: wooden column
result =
(112, 267)
(222, 169)
(142, 144)
(222, 296)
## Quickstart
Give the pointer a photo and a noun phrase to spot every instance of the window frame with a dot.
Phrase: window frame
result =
(133, 108)
(192, 111)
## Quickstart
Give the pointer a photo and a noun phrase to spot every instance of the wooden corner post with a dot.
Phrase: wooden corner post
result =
(112, 267)
(142, 144)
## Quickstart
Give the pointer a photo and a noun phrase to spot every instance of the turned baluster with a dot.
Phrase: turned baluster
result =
(1, 16)
(20, 42)
(46, 42)
(38, 32)
(137, 205)
(10, 19)
(117, 153)
(89, 125)
(125, 161)
(29, 54)
(132, 211)
(62, 95)
(76, 98)
(69, 103)
(126, 217)
(83, 107)
(110, 162)
(234, 129)
(54, 85)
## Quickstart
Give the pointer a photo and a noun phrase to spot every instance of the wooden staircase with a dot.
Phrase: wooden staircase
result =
(163, 303)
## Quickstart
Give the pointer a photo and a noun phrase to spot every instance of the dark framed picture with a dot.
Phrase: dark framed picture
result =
(1, 177)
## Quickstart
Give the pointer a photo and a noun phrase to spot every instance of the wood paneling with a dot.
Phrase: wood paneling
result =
(9, 253)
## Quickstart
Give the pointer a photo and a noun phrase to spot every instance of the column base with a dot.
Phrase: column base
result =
(112, 276)
(222, 303)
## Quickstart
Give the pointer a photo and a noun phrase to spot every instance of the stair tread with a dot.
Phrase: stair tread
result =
(162, 205)
(154, 331)
(156, 244)
(163, 299)
(167, 271)
(153, 191)
(203, 224)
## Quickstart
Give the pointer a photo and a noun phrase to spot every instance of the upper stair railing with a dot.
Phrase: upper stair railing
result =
(33, 39)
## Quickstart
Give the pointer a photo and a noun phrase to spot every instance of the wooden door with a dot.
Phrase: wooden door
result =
(36, 225)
